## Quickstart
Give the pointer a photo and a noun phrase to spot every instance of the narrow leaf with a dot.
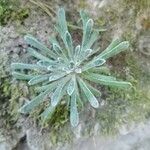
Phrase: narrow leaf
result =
(77, 53)
(55, 76)
(43, 64)
(87, 33)
(34, 102)
(23, 66)
(57, 49)
(36, 44)
(71, 85)
(45, 87)
(38, 79)
(100, 70)
(112, 45)
(93, 63)
(62, 20)
(91, 98)
(108, 80)
(22, 76)
(93, 90)
(68, 43)
(119, 48)
(58, 93)
(98, 76)
(38, 55)
(74, 116)
(48, 112)
(84, 17)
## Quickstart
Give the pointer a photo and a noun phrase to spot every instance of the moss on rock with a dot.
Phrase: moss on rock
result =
(9, 12)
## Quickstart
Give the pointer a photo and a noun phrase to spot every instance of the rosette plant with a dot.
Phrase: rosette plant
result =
(65, 69)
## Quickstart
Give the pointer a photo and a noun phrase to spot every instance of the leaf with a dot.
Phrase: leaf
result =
(91, 98)
(22, 76)
(55, 76)
(36, 44)
(93, 63)
(43, 64)
(58, 93)
(78, 95)
(23, 66)
(34, 102)
(62, 20)
(39, 56)
(77, 53)
(117, 49)
(48, 112)
(74, 116)
(92, 39)
(57, 49)
(53, 40)
(38, 79)
(87, 31)
(93, 90)
(84, 17)
(100, 70)
(68, 43)
(113, 44)
(85, 54)
(107, 80)
(45, 87)
(98, 76)
(71, 85)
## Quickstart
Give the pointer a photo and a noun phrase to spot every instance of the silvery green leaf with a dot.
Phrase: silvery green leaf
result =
(93, 38)
(71, 85)
(34, 102)
(93, 63)
(58, 93)
(98, 76)
(113, 44)
(91, 98)
(48, 112)
(107, 80)
(87, 33)
(23, 66)
(38, 79)
(38, 55)
(62, 20)
(43, 64)
(86, 53)
(53, 40)
(57, 49)
(68, 43)
(60, 31)
(74, 116)
(77, 53)
(36, 44)
(22, 76)
(99, 70)
(78, 95)
(93, 90)
(47, 86)
(117, 49)
(84, 17)
(55, 76)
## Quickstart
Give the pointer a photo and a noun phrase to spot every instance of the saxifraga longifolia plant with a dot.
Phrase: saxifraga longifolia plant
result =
(66, 69)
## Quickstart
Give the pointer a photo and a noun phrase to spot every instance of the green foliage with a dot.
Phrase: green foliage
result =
(9, 12)
(66, 69)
